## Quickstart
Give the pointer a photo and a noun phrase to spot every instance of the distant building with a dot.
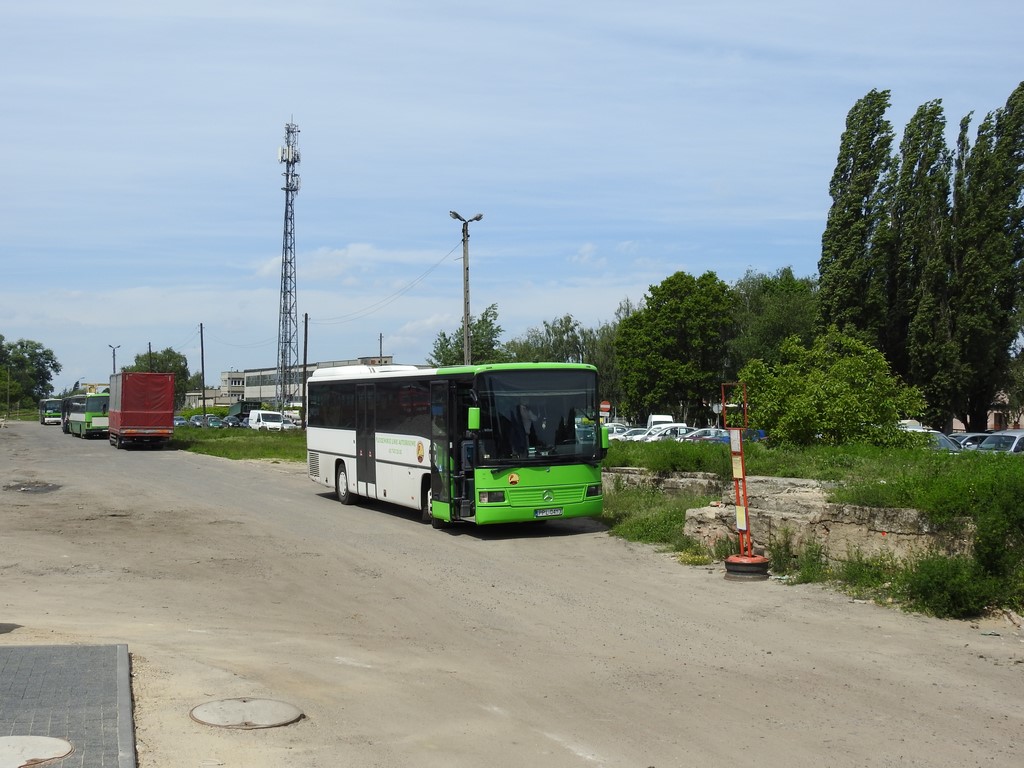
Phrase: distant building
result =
(261, 383)
(230, 391)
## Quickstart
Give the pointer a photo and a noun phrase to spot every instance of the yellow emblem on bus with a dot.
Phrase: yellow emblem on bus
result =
(419, 452)
(513, 479)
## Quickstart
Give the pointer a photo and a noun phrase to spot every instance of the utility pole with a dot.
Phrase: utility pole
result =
(466, 357)
(202, 371)
(288, 333)
(305, 363)
(113, 356)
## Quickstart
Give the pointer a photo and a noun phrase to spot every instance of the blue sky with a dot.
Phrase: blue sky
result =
(608, 145)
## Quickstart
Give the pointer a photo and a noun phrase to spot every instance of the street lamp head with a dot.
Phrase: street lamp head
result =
(454, 215)
(477, 217)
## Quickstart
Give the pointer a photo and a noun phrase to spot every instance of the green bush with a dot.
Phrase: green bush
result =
(948, 587)
(782, 552)
(812, 563)
(868, 576)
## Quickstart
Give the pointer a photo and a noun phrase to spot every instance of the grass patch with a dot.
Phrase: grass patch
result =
(237, 444)
(650, 516)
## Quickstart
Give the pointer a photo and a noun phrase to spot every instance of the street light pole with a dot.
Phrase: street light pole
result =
(113, 357)
(466, 358)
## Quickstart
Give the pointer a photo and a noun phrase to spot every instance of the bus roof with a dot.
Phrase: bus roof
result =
(400, 371)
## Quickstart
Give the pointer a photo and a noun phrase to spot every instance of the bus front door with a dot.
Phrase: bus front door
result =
(366, 428)
(440, 450)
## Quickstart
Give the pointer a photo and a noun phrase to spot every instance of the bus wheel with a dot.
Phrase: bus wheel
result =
(341, 485)
(425, 516)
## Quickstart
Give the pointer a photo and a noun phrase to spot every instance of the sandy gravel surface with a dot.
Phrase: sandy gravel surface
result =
(543, 646)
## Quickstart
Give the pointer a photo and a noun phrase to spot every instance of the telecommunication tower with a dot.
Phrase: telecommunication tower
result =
(288, 326)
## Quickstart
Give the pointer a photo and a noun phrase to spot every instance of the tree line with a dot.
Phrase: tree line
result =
(915, 311)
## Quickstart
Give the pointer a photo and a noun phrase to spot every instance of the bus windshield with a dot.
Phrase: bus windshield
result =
(543, 415)
(97, 404)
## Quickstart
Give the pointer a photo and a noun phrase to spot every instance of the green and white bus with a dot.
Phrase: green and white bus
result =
(49, 410)
(478, 444)
(86, 415)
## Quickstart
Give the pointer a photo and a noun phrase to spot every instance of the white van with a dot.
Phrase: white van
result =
(655, 419)
(266, 420)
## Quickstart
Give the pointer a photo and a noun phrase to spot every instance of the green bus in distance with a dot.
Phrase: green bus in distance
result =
(49, 410)
(86, 415)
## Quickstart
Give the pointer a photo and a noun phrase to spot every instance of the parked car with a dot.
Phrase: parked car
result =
(629, 434)
(707, 434)
(615, 428)
(288, 423)
(968, 440)
(1004, 441)
(939, 441)
(180, 421)
(666, 432)
(215, 422)
(197, 420)
(232, 422)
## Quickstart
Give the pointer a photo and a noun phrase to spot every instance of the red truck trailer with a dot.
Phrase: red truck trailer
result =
(141, 408)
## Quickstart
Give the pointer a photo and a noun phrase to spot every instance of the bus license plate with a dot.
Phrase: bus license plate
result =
(551, 512)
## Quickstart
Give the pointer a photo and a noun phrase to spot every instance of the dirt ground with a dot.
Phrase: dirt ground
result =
(545, 646)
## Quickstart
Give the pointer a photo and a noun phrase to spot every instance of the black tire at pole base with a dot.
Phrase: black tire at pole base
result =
(743, 568)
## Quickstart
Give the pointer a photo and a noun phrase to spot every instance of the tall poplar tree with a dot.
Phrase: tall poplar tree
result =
(988, 246)
(852, 288)
(919, 268)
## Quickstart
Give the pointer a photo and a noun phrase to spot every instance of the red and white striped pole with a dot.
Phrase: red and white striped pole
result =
(745, 566)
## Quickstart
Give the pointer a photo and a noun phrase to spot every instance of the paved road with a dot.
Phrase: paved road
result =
(542, 646)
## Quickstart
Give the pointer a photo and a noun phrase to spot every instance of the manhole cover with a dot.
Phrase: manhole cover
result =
(245, 713)
(31, 487)
(21, 751)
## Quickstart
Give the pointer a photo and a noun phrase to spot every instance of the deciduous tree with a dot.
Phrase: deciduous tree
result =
(32, 368)
(840, 390)
(672, 352)
(768, 310)
(484, 342)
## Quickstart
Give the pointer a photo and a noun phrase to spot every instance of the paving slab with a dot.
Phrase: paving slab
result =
(78, 693)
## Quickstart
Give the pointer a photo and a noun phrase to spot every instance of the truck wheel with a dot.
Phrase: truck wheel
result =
(341, 485)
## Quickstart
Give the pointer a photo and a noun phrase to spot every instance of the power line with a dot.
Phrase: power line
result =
(391, 298)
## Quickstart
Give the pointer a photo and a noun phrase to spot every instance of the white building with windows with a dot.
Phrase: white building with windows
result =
(261, 383)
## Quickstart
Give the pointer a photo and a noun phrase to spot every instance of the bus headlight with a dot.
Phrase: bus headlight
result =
(492, 497)
(593, 490)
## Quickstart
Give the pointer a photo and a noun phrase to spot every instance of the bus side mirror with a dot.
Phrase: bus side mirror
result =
(604, 438)
(473, 419)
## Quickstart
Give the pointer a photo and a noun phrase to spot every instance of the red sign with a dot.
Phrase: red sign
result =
(606, 407)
